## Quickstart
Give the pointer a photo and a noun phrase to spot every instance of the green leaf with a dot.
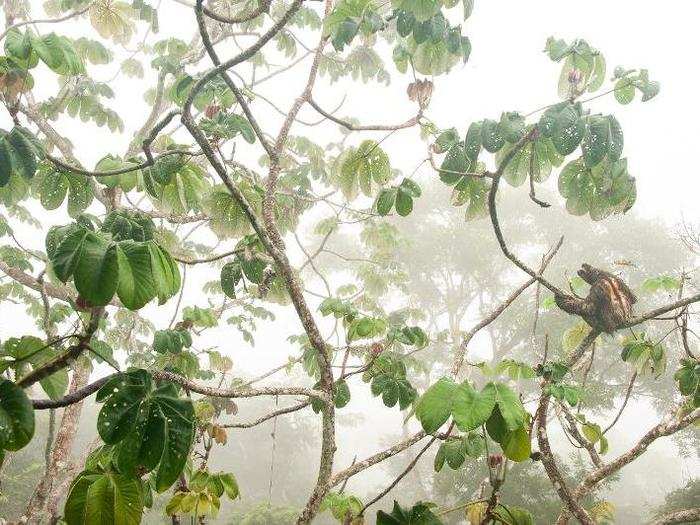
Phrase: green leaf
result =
(597, 140)
(567, 130)
(509, 404)
(16, 416)
(136, 287)
(491, 136)
(96, 274)
(102, 499)
(364, 168)
(126, 224)
(435, 405)
(231, 275)
(516, 445)
(156, 426)
(471, 409)
(624, 91)
(68, 249)
(419, 514)
(385, 201)
(404, 202)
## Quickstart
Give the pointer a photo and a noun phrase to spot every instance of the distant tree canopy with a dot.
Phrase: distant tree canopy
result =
(209, 180)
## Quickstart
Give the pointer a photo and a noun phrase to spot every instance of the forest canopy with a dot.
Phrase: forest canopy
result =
(498, 304)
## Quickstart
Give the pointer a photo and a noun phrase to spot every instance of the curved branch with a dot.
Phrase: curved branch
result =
(46, 20)
(374, 459)
(206, 41)
(65, 358)
(241, 57)
(461, 352)
(266, 417)
(551, 468)
(352, 127)
(493, 213)
(665, 428)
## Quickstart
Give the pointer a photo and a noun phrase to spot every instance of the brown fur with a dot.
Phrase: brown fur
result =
(608, 304)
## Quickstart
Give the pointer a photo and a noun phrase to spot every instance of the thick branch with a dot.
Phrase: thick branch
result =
(65, 358)
(679, 516)
(192, 386)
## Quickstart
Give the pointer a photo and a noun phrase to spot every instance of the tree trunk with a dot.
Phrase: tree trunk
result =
(43, 505)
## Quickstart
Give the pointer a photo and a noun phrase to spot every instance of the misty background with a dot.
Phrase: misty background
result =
(454, 269)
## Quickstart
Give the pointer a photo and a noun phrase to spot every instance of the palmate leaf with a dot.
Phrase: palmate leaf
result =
(136, 271)
(419, 514)
(154, 427)
(435, 405)
(363, 169)
(58, 53)
(112, 20)
(102, 498)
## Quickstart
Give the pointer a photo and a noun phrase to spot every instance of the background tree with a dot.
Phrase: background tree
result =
(206, 185)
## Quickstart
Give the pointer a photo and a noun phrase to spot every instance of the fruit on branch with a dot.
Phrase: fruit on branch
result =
(608, 304)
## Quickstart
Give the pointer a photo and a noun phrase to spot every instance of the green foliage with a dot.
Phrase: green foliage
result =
(363, 168)
(583, 66)
(342, 506)
(171, 341)
(688, 379)
(19, 152)
(101, 497)
(54, 185)
(646, 356)
(400, 196)
(593, 433)
(16, 417)
(629, 81)
(387, 378)
(496, 406)
(137, 271)
(29, 352)
(203, 495)
(420, 514)
(665, 283)
(455, 450)
(152, 427)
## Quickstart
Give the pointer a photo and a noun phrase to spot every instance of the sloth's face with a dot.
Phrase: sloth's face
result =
(587, 273)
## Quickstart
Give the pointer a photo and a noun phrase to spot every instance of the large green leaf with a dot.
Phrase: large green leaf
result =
(16, 416)
(96, 274)
(365, 168)
(19, 150)
(64, 246)
(509, 404)
(155, 428)
(567, 130)
(472, 409)
(419, 514)
(516, 444)
(107, 498)
(136, 286)
(435, 405)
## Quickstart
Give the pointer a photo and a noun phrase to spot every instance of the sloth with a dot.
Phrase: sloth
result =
(608, 304)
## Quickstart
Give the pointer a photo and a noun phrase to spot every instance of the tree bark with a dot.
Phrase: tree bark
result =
(43, 505)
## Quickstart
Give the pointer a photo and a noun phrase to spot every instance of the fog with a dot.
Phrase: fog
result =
(276, 462)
